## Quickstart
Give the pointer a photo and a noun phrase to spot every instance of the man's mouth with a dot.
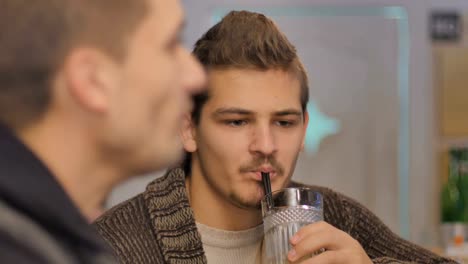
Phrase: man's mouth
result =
(258, 173)
(259, 166)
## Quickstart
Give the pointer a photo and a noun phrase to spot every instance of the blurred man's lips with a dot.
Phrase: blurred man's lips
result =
(190, 106)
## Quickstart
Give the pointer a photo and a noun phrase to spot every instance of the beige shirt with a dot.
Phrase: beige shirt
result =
(236, 247)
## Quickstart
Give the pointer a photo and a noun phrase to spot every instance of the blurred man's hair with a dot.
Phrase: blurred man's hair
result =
(246, 40)
(36, 36)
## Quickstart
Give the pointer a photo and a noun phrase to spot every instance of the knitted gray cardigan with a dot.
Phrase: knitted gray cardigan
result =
(158, 226)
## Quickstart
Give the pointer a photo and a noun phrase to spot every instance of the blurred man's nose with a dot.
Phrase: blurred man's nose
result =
(193, 74)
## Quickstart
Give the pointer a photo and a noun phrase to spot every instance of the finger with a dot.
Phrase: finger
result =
(330, 239)
(327, 257)
(308, 230)
(311, 245)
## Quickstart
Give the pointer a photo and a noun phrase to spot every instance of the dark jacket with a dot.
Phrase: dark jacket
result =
(158, 226)
(38, 221)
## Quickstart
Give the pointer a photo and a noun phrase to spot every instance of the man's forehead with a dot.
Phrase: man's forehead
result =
(168, 13)
(243, 103)
(251, 97)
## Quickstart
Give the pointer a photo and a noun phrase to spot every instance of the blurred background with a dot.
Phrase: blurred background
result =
(389, 105)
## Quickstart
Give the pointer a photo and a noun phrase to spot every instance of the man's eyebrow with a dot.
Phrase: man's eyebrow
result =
(242, 111)
(231, 110)
(286, 112)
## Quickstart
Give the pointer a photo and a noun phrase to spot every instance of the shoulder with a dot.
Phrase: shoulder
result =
(135, 211)
(15, 251)
(122, 216)
(128, 231)
(22, 240)
(138, 228)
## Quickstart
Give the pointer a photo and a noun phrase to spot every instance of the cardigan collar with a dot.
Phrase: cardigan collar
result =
(173, 220)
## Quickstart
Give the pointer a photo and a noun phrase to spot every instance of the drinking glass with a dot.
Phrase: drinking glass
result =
(284, 213)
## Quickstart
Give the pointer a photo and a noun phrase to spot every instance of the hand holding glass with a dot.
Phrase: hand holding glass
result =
(284, 213)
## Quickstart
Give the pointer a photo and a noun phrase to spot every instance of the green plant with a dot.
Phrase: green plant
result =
(454, 195)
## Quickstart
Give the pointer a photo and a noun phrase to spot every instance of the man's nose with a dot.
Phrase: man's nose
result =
(263, 141)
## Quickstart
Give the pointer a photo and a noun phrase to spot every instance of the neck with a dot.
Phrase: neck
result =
(213, 210)
(72, 157)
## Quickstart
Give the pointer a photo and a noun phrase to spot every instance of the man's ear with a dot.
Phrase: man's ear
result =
(188, 134)
(91, 78)
(306, 124)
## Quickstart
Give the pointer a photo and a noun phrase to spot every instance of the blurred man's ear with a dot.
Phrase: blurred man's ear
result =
(91, 78)
(188, 134)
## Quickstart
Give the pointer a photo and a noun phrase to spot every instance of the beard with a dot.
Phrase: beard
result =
(248, 203)
(242, 198)
(253, 202)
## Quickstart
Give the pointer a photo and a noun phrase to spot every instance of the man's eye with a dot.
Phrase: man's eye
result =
(235, 123)
(285, 123)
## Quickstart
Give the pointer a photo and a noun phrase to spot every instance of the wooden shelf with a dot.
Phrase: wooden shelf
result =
(452, 86)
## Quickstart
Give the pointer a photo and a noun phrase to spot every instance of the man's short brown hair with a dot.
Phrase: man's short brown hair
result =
(36, 36)
(246, 40)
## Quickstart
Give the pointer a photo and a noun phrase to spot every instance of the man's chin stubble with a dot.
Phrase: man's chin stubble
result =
(254, 206)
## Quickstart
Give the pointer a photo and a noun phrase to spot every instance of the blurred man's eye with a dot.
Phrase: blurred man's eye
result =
(174, 44)
(172, 47)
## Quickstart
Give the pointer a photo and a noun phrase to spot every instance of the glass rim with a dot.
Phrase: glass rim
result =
(293, 188)
(291, 198)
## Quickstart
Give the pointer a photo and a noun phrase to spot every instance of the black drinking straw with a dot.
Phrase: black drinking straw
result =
(267, 186)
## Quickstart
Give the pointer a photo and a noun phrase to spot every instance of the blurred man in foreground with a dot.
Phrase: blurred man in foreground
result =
(91, 93)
